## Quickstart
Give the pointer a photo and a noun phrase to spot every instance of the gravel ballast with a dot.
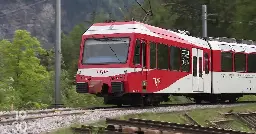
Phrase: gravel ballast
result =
(52, 123)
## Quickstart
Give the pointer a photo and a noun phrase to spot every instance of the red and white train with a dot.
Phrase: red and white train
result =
(133, 63)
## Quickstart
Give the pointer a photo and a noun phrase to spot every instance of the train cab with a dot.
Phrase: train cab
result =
(102, 60)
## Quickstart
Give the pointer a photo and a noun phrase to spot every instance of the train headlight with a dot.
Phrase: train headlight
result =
(144, 86)
(144, 83)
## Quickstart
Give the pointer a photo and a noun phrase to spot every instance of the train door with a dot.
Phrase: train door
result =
(207, 74)
(197, 70)
(144, 65)
(140, 63)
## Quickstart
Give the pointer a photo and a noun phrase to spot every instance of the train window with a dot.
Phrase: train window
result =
(200, 67)
(136, 58)
(240, 62)
(226, 62)
(152, 55)
(162, 56)
(251, 63)
(206, 63)
(174, 58)
(185, 60)
(194, 66)
(144, 53)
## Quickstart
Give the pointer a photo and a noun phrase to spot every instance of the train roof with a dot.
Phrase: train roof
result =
(233, 46)
(224, 44)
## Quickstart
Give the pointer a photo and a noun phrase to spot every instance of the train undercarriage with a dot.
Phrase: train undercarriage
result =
(137, 99)
(119, 97)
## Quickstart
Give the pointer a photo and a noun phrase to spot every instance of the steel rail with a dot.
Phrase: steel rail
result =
(167, 126)
(248, 118)
(89, 130)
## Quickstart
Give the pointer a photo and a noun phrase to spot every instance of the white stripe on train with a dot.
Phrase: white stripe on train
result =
(96, 72)
(223, 82)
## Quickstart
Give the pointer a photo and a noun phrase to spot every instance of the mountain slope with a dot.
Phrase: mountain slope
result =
(38, 16)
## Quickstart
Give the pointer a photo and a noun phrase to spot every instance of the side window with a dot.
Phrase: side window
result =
(226, 62)
(152, 55)
(252, 63)
(194, 66)
(162, 56)
(144, 53)
(206, 63)
(200, 67)
(240, 62)
(174, 58)
(136, 58)
(185, 60)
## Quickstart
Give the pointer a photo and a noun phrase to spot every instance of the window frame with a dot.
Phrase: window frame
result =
(144, 56)
(250, 71)
(200, 68)
(151, 43)
(189, 62)
(162, 56)
(171, 67)
(232, 61)
(194, 67)
(206, 63)
(82, 47)
(235, 63)
(135, 58)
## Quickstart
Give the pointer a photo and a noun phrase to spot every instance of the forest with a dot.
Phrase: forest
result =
(27, 69)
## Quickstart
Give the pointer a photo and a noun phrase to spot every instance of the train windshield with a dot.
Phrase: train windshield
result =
(106, 51)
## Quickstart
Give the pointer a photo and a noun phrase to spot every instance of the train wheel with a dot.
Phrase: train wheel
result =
(198, 100)
(106, 100)
(214, 100)
(119, 104)
(222, 100)
(232, 100)
(137, 101)
(156, 103)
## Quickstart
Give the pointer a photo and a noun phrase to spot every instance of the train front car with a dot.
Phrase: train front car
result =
(105, 61)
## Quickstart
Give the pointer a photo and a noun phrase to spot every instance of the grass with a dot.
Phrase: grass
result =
(64, 130)
(248, 98)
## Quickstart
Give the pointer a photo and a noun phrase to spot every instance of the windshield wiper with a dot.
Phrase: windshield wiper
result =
(114, 53)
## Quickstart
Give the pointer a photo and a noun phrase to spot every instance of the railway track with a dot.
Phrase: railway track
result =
(248, 118)
(32, 115)
(7, 119)
(168, 105)
(140, 126)
(18, 116)
(41, 121)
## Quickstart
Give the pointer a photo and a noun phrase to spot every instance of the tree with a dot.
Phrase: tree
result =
(20, 63)
(244, 23)
(71, 48)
